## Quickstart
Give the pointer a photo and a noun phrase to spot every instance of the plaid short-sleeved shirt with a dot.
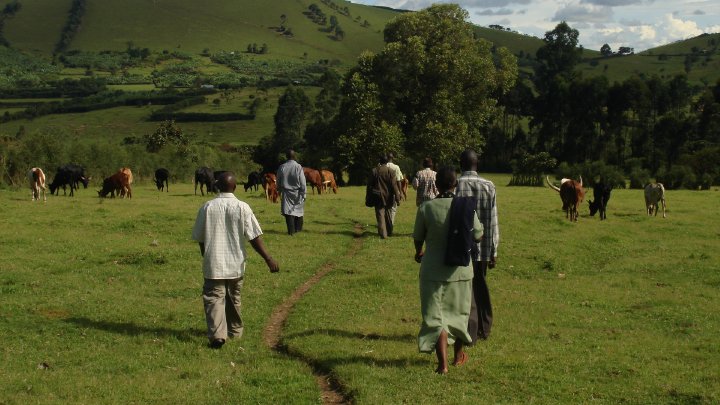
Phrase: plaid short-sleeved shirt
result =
(224, 224)
(424, 183)
(472, 185)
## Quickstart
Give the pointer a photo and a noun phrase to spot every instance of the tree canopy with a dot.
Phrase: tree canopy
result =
(430, 91)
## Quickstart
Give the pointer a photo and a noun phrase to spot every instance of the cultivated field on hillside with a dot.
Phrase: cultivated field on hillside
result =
(100, 302)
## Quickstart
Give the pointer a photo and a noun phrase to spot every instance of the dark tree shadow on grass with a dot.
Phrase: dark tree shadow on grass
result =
(353, 335)
(305, 230)
(132, 329)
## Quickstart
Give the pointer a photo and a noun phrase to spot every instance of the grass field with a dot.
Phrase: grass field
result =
(106, 293)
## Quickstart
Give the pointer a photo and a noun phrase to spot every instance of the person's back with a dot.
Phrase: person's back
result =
(424, 183)
(386, 185)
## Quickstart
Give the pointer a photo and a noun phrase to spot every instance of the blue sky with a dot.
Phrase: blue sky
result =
(639, 24)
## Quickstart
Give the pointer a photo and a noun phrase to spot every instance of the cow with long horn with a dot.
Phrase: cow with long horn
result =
(572, 195)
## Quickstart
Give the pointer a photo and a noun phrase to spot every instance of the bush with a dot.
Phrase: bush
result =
(639, 178)
(677, 177)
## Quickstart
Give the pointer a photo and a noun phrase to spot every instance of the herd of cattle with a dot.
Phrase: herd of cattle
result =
(320, 180)
(572, 195)
(571, 191)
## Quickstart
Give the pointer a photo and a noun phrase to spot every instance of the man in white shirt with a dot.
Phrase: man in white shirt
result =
(293, 189)
(222, 226)
(398, 179)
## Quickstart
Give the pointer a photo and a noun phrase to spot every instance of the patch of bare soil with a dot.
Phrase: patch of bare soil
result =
(332, 390)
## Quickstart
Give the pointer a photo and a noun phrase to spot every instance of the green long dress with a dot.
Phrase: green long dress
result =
(445, 291)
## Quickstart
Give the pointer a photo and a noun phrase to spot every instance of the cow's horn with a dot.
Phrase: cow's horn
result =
(554, 187)
(580, 180)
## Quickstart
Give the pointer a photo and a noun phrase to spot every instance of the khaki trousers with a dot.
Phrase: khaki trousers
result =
(221, 299)
(384, 221)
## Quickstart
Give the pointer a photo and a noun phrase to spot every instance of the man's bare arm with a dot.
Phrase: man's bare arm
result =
(259, 247)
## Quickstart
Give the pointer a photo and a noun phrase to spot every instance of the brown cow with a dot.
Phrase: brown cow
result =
(271, 191)
(37, 183)
(314, 179)
(571, 194)
(118, 182)
(329, 180)
(128, 172)
(404, 187)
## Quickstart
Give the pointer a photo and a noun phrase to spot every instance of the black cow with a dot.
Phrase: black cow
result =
(601, 192)
(161, 179)
(254, 180)
(204, 177)
(69, 175)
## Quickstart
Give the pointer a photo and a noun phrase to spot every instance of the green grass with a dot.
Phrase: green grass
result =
(107, 293)
(614, 311)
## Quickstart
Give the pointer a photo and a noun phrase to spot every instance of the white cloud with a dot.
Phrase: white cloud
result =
(502, 11)
(577, 12)
(680, 29)
(612, 3)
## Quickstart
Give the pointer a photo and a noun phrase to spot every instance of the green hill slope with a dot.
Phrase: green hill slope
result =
(697, 57)
(38, 24)
(192, 26)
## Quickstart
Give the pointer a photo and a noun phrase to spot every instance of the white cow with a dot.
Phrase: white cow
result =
(36, 177)
(654, 194)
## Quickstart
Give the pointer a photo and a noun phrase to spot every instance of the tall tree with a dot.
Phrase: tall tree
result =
(293, 109)
(434, 81)
(554, 75)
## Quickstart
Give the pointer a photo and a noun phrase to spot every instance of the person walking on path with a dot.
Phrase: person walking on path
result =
(382, 190)
(222, 227)
(292, 187)
(398, 179)
(472, 185)
(448, 227)
(424, 183)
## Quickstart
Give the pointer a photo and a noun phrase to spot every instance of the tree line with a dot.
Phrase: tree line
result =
(435, 90)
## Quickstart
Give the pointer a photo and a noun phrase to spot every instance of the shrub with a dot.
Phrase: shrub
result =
(639, 177)
(678, 176)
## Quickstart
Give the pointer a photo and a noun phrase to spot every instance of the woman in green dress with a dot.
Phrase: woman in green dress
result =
(445, 290)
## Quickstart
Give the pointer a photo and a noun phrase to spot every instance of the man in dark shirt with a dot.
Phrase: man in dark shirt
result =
(382, 183)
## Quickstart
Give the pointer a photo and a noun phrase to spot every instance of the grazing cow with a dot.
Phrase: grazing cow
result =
(204, 177)
(314, 179)
(253, 181)
(161, 179)
(571, 194)
(271, 191)
(654, 194)
(329, 180)
(601, 192)
(68, 175)
(128, 172)
(37, 183)
(404, 187)
(118, 182)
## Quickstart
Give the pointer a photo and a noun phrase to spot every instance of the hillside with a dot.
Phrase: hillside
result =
(193, 26)
(699, 57)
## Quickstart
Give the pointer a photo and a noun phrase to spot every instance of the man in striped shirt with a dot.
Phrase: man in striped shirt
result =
(472, 185)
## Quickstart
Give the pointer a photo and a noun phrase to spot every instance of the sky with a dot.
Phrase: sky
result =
(638, 24)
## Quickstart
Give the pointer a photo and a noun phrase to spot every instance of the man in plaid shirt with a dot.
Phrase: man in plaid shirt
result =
(472, 185)
(424, 183)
